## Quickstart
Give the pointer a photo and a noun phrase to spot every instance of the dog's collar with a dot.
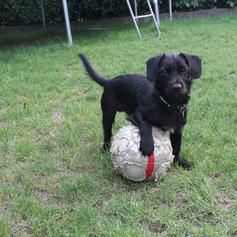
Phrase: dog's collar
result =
(165, 101)
(181, 108)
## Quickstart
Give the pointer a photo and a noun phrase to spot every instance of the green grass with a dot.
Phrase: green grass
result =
(54, 180)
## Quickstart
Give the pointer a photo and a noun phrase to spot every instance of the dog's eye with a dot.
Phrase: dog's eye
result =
(165, 71)
(183, 69)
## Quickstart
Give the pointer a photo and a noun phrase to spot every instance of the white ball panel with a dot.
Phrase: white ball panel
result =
(128, 160)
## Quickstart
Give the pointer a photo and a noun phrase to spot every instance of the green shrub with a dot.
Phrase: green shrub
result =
(202, 4)
(18, 12)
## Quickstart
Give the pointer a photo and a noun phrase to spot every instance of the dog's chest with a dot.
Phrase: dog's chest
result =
(169, 120)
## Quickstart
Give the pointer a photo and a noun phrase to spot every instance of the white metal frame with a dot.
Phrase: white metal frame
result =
(170, 9)
(42, 13)
(156, 5)
(67, 20)
(66, 17)
(135, 16)
(157, 12)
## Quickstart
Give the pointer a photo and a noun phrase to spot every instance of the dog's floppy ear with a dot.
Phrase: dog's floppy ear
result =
(195, 66)
(151, 66)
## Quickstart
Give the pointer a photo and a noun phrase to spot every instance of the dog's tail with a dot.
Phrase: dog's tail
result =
(92, 73)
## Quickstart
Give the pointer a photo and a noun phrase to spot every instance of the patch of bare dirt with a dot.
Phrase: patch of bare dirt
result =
(180, 198)
(3, 123)
(20, 228)
(3, 209)
(224, 203)
(44, 195)
(154, 226)
(57, 116)
(98, 204)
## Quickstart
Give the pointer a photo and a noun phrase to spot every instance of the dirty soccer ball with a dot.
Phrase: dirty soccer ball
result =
(128, 160)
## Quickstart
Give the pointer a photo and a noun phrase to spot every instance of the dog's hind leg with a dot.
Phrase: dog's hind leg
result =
(109, 113)
(108, 119)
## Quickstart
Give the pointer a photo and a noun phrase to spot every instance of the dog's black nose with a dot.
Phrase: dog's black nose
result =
(177, 86)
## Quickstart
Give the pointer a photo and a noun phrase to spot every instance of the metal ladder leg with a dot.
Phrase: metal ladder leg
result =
(135, 7)
(153, 16)
(157, 12)
(134, 19)
(170, 9)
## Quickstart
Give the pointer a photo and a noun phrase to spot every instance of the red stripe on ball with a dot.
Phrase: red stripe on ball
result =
(150, 165)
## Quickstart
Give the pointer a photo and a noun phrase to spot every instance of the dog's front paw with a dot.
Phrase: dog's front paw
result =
(146, 147)
(183, 163)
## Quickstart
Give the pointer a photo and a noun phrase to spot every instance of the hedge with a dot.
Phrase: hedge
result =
(18, 12)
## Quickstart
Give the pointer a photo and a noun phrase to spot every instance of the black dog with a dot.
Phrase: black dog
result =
(161, 100)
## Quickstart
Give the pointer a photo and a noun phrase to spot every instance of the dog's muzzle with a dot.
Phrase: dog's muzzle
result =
(177, 87)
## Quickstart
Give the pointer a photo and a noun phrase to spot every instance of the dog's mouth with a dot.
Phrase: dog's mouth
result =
(176, 96)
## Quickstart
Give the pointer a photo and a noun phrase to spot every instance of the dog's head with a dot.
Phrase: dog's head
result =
(173, 75)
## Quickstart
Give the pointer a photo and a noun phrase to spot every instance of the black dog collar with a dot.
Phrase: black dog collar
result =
(181, 108)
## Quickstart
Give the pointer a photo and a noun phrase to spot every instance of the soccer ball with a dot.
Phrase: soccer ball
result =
(128, 160)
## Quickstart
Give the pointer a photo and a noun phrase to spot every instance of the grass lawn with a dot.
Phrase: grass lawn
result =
(53, 179)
